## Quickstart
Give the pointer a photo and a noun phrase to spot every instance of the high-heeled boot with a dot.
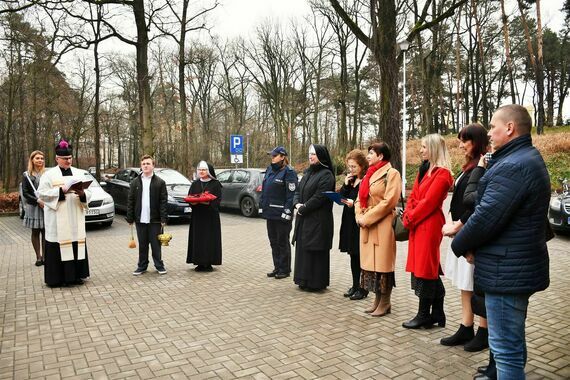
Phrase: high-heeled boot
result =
(437, 315)
(423, 318)
(385, 307)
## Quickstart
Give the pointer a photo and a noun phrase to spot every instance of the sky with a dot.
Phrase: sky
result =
(234, 18)
(240, 17)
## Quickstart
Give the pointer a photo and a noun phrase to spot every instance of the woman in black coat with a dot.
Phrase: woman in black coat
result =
(205, 236)
(314, 222)
(349, 236)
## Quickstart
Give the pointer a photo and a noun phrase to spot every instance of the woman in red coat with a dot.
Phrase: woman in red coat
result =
(424, 219)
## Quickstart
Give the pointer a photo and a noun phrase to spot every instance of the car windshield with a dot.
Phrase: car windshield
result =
(90, 177)
(172, 177)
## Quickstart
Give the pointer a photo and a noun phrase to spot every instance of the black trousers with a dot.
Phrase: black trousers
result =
(278, 232)
(147, 234)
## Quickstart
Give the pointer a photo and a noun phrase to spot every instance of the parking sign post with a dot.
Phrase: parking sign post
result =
(236, 149)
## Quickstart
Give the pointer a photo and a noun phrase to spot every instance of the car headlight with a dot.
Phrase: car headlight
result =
(107, 201)
(555, 203)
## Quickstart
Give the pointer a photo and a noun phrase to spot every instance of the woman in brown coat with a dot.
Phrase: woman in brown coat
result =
(379, 193)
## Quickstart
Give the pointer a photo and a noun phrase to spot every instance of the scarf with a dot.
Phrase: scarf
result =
(364, 190)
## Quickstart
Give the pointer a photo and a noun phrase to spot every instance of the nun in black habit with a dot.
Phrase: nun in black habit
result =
(205, 236)
(314, 222)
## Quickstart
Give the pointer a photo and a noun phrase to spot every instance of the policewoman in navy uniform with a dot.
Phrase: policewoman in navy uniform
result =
(276, 205)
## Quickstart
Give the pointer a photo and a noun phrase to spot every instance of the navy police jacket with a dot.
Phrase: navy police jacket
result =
(507, 231)
(277, 193)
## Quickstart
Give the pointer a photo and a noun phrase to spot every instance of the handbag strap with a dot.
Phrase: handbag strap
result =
(30, 181)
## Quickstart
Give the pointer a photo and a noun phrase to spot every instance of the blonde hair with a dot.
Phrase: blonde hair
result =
(437, 151)
(31, 168)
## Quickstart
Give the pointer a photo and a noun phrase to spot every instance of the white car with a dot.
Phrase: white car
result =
(101, 206)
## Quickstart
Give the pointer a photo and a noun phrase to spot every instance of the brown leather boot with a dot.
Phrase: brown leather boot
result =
(385, 307)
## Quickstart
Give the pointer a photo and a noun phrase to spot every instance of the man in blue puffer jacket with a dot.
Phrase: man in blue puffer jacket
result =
(506, 235)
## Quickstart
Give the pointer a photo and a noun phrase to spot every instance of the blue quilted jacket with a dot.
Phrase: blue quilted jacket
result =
(507, 231)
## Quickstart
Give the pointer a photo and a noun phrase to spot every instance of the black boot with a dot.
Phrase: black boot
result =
(479, 342)
(438, 316)
(423, 318)
(462, 336)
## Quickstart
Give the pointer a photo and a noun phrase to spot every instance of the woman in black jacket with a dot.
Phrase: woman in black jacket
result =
(349, 237)
(314, 222)
(34, 211)
(474, 142)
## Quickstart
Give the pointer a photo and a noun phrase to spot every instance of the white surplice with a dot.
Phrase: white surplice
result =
(64, 220)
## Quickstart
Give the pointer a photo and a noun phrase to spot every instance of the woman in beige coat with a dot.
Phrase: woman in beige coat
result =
(378, 196)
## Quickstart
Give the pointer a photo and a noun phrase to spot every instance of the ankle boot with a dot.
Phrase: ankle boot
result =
(423, 318)
(438, 316)
(479, 342)
(385, 307)
(462, 336)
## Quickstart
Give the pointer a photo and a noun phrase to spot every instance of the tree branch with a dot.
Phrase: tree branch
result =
(351, 24)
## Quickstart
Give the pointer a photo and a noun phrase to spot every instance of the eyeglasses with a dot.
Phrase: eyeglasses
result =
(65, 158)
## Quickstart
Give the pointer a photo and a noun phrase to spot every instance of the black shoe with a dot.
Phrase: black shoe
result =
(462, 336)
(479, 342)
(138, 272)
(279, 276)
(482, 369)
(359, 294)
(208, 268)
(39, 263)
(271, 274)
(350, 291)
(77, 282)
(482, 376)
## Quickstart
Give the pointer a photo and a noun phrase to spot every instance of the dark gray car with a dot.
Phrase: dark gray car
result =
(241, 189)
(176, 184)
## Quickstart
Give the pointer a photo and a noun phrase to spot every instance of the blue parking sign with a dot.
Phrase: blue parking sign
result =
(236, 144)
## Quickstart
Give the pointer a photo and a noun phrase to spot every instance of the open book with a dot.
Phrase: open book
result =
(76, 184)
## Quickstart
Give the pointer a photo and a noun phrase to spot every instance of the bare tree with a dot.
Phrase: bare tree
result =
(178, 31)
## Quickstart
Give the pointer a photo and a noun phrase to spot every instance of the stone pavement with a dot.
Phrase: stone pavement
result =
(236, 322)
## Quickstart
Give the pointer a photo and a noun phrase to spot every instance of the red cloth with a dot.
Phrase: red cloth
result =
(424, 218)
(364, 191)
(198, 198)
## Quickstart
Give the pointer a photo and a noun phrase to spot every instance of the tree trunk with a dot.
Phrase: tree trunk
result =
(384, 50)
(508, 51)
(143, 79)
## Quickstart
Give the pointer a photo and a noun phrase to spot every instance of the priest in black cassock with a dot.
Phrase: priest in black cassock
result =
(66, 261)
(205, 236)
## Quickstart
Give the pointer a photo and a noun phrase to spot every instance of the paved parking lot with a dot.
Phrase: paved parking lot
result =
(235, 322)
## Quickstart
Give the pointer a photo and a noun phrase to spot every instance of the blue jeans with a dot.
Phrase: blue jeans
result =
(506, 315)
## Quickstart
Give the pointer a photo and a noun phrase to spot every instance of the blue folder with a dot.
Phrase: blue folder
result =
(335, 197)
